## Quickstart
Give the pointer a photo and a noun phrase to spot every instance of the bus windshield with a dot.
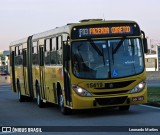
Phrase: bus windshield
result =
(104, 59)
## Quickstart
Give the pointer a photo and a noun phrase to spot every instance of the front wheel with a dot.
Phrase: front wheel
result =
(64, 110)
(124, 108)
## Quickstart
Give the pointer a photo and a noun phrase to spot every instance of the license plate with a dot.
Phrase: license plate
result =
(134, 99)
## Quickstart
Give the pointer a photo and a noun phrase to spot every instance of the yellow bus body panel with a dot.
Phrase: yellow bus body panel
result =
(81, 102)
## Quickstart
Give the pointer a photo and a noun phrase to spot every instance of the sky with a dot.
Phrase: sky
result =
(21, 18)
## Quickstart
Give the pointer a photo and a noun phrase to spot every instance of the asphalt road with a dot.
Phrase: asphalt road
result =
(14, 113)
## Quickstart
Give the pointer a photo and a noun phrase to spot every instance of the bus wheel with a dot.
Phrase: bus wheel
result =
(39, 101)
(64, 110)
(20, 97)
(124, 108)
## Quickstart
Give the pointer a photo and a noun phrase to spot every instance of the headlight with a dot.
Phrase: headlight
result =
(139, 87)
(80, 91)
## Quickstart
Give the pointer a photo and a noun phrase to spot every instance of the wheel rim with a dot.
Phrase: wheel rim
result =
(61, 101)
(38, 99)
(19, 95)
(38, 96)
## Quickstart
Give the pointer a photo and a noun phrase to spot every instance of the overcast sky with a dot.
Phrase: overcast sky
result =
(21, 18)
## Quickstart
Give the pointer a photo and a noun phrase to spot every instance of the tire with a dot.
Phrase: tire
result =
(124, 108)
(39, 100)
(21, 98)
(64, 110)
(29, 99)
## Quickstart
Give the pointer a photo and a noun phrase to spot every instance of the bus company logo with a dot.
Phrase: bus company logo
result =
(6, 129)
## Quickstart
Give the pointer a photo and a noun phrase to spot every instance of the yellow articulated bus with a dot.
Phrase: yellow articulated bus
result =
(91, 64)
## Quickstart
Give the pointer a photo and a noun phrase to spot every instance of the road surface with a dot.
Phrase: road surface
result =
(14, 113)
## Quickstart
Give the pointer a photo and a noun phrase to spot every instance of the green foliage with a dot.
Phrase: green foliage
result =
(153, 94)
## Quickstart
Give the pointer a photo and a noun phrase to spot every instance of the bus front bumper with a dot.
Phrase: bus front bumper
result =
(79, 102)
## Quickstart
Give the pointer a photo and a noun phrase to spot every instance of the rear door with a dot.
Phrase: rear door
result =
(25, 72)
(42, 75)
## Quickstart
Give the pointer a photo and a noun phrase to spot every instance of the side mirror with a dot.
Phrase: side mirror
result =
(145, 44)
(66, 51)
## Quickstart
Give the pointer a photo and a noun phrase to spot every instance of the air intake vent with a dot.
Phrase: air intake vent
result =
(111, 101)
(89, 20)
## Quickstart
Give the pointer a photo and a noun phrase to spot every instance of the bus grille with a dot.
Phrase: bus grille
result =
(113, 92)
(116, 85)
(111, 101)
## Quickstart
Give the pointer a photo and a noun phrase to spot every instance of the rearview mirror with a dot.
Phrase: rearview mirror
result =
(145, 44)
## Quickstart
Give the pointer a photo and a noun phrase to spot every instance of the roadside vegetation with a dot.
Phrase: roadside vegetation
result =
(153, 94)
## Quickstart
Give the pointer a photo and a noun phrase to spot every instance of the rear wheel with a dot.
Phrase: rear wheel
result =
(124, 108)
(21, 98)
(39, 100)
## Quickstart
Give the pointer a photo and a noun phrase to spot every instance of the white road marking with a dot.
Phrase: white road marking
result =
(150, 106)
(2, 133)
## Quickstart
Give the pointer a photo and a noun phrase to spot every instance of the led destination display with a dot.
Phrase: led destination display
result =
(105, 30)
(102, 30)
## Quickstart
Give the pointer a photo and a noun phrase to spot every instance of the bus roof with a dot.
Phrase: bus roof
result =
(58, 30)
(67, 28)
(97, 21)
(21, 41)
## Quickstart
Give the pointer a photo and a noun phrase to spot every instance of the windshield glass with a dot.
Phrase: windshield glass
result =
(102, 59)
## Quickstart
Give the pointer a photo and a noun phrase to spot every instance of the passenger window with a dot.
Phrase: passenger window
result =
(59, 51)
(54, 51)
(47, 52)
(59, 43)
(47, 45)
(34, 54)
(53, 43)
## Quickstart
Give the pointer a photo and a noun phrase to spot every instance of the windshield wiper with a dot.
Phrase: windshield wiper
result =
(95, 47)
(101, 53)
(118, 45)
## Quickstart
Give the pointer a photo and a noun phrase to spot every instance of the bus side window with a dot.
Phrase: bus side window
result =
(16, 48)
(18, 57)
(47, 52)
(53, 51)
(24, 58)
(12, 56)
(59, 50)
(41, 53)
(59, 42)
(16, 54)
(34, 54)
(20, 50)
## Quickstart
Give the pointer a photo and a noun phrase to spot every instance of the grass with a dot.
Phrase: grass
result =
(153, 94)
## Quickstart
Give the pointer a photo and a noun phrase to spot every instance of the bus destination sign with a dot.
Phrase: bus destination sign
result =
(105, 30)
(101, 31)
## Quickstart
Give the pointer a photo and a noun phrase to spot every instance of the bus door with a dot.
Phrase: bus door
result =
(42, 72)
(66, 68)
(25, 72)
(13, 71)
